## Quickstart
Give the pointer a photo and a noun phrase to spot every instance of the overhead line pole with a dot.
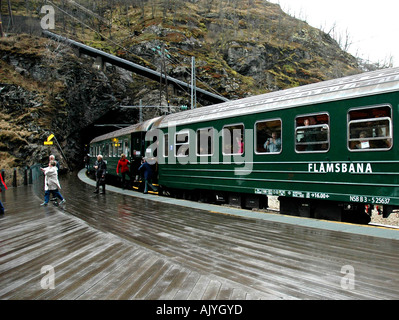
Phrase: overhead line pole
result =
(193, 84)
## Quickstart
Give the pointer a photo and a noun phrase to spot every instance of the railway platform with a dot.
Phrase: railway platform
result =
(126, 245)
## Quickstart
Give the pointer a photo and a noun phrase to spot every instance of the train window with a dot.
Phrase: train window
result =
(126, 149)
(105, 149)
(166, 145)
(182, 144)
(109, 149)
(233, 139)
(268, 136)
(205, 142)
(312, 133)
(120, 148)
(370, 128)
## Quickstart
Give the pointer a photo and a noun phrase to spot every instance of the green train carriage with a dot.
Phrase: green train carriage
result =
(336, 155)
(129, 141)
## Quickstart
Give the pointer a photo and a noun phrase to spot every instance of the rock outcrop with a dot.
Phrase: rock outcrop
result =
(46, 89)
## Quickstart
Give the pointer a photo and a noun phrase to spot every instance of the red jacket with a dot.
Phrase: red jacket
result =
(123, 165)
(2, 184)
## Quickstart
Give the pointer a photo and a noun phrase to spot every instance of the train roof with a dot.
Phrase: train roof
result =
(138, 127)
(364, 84)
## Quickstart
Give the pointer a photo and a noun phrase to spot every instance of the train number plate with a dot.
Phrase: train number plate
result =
(368, 199)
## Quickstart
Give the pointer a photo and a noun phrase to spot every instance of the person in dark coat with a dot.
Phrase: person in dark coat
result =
(86, 160)
(147, 172)
(101, 170)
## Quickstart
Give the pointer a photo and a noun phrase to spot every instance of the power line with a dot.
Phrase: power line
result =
(175, 62)
(169, 57)
(128, 65)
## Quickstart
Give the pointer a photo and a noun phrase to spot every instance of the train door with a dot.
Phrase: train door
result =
(137, 147)
(151, 153)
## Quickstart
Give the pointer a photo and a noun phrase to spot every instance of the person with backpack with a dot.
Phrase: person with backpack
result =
(148, 173)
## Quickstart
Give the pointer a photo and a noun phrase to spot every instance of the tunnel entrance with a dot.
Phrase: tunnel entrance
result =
(113, 120)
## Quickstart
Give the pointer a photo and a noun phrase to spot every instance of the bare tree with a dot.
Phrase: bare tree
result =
(367, 65)
(343, 38)
(347, 41)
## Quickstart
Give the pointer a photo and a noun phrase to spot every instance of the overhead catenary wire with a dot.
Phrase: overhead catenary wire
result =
(87, 11)
(168, 57)
(176, 62)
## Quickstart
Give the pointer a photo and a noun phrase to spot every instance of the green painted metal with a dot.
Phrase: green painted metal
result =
(331, 169)
(338, 174)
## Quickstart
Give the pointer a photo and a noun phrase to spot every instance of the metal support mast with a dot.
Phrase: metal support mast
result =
(193, 84)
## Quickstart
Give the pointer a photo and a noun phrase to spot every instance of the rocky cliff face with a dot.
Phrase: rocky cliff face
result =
(312, 56)
(241, 47)
(44, 89)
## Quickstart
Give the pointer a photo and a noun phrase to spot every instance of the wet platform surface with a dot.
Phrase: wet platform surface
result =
(117, 246)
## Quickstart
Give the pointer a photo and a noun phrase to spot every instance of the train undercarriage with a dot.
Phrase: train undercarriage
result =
(309, 208)
(326, 210)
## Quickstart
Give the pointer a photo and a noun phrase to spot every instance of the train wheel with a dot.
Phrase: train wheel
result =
(356, 213)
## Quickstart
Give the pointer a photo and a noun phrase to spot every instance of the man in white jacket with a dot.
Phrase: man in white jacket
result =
(51, 183)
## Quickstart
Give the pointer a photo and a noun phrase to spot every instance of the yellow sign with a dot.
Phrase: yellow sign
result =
(49, 142)
(116, 142)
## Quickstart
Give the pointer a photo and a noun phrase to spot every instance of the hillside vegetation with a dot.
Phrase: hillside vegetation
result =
(241, 46)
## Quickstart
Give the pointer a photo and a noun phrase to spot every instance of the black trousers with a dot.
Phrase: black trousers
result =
(100, 181)
(124, 184)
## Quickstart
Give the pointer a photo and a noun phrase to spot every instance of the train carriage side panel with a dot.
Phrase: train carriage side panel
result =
(325, 169)
(129, 140)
